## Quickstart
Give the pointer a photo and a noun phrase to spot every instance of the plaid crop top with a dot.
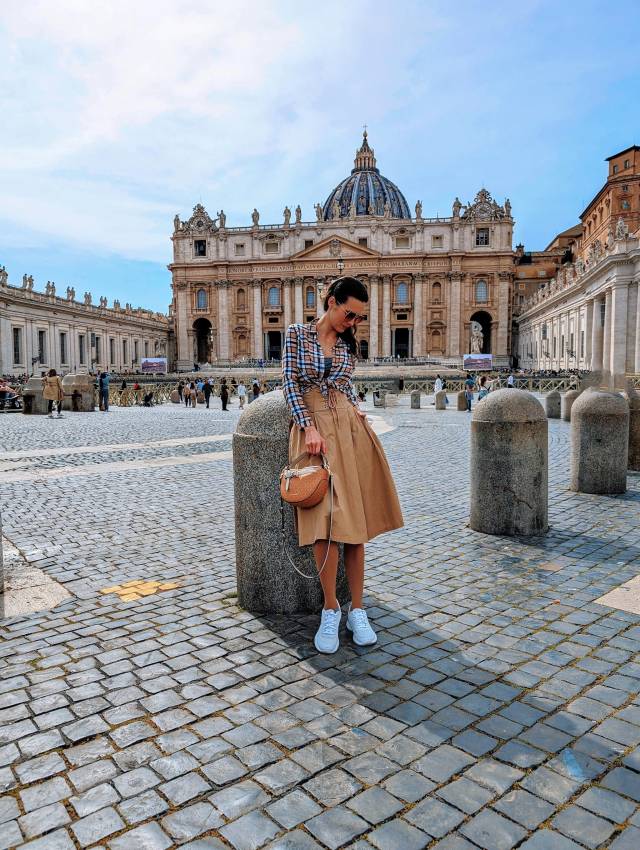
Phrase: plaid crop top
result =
(303, 367)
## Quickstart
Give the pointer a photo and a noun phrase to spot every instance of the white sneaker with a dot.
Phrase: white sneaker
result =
(326, 639)
(51, 416)
(358, 623)
(60, 416)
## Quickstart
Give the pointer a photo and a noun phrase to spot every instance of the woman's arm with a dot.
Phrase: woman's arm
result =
(290, 380)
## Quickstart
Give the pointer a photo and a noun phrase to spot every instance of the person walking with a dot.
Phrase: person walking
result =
(180, 390)
(103, 388)
(255, 390)
(242, 394)
(53, 392)
(469, 387)
(193, 395)
(484, 388)
(207, 393)
(224, 393)
(317, 368)
(511, 381)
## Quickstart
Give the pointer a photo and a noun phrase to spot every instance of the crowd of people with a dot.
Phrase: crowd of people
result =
(190, 392)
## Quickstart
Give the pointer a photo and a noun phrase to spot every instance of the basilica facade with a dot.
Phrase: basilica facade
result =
(432, 282)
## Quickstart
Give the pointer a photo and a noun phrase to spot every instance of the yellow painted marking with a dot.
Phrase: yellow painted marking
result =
(138, 588)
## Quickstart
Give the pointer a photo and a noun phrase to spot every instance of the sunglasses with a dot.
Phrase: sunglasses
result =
(350, 316)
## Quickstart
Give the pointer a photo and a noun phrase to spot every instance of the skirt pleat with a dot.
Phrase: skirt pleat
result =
(365, 501)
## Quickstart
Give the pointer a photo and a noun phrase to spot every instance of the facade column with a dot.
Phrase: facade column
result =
(286, 287)
(257, 351)
(636, 365)
(182, 313)
(373, 316)
(619, 305)
(418, 323)
(298, 303)
(321, 284)
(588, 332)
(606, 345)
(386, 316)
(502, 347)
(453, 318)
(223, 320)
(597, 336)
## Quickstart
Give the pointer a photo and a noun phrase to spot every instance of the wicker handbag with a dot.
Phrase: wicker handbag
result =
(306, 487)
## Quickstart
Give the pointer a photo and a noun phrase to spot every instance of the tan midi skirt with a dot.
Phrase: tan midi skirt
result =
(365, 501)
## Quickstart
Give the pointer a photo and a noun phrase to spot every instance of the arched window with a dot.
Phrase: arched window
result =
(436, 340)
(482, 292)
(402, 293)
(240, 300)
(201, 299)
(273, 299)
(310, 298)
(436, 292)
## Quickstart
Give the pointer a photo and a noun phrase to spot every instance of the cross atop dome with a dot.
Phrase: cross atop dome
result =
(365, 160)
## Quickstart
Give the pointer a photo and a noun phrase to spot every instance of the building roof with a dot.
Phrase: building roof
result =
(366, 189)
(626, 150)
(569, 233)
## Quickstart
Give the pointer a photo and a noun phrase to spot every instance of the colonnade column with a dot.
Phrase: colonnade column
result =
(618, 333)
(597, 334)
(223, 320)
(298, 309)
(418, 324)
(373, 316)
(286, 285)
(386, 316)
(606, 345)
(588, 332)
(636, 365)
(258, 343)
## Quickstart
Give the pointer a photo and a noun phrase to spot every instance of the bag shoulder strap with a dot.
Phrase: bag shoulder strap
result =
(302, 455)
(284, 545)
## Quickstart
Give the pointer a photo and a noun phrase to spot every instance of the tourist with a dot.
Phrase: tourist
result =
(193, 394)
(224, 393)
(242, 394)
(317, 367)
(103, 388)
(484, 389)
(469, 387)
(255, 389)
(53, 392)
(180, 389)
(208, 389)
(511, 381)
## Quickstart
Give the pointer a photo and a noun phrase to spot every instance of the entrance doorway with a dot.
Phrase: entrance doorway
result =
(401, 343)
(364, 349)
(484, 320)
(202, 328)
(274, 345)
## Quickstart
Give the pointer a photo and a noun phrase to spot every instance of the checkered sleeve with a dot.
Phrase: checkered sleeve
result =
(291, 382)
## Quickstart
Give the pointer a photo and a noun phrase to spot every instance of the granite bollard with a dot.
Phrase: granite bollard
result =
(175, 397)
(552, 404)
(441, 400)
(462, 400)
(415, 400)
(380, 400)
(599, 443)
(567, 403)
(267, 583)
(509, 465)
(79, 392)
(634, 431)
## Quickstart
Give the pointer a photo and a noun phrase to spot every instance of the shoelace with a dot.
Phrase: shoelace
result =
(360, 618)
(329, 619)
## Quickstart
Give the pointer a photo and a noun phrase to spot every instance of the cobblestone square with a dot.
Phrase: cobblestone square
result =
(498, 710)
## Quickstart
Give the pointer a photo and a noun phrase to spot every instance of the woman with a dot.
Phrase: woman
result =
(224, 393)
(53, 392)
(317, 366)
(484, 389)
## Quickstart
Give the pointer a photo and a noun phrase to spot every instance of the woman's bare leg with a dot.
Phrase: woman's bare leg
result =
(354, 565)
(329, 573)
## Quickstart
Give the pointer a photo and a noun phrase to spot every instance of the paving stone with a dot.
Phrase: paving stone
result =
(40, 768)
(191, 821)
(550, 785)
(58, 840)
(250, 832)
(408, 785)
(296, 840)
(142, 807)
(92, 774)
(147, 837)
(465, 795)
(241, 798)
(492, 832)
(375, 805)
(582, 826)
(336, 827)
(39, 796)
(434, 817)
(624, 781)
(629, 839)
(398, 833)
(225, 770)
(524, 808)
(174, 765)
(9, 809)
(281, 776)
(97, 826)
(546, 839)
(43, 820)
(10, 835)
(184, 788)
(136, 781)
(293, 809)
(95, 798)
(606, 804)
(443, 762)
(332, 787)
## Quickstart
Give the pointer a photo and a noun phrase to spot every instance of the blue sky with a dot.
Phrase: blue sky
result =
(118, 115)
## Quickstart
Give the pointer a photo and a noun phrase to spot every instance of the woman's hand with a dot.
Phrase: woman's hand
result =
(313, 441)
(361, 413)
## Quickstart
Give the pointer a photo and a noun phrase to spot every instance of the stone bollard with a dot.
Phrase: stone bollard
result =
(462, 400)
(634, 431)
(415, 400)
(552, 405)
(391, 400)
(175, 396)
(441, 400)
(380, 400)
(267, 583)
(79, 392)
(567, 403)
(32, 398)
(599, 443)
(509, 465)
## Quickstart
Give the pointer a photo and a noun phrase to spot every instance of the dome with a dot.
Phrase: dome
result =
(367, 190)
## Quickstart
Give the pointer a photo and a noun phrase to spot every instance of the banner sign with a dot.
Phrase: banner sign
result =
(476, 362)
(154, 364)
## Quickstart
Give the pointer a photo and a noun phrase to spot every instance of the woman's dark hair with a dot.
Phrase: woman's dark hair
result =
(52, 373)
(343, 288)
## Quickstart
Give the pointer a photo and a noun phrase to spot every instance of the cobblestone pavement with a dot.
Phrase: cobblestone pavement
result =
(499, 709)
